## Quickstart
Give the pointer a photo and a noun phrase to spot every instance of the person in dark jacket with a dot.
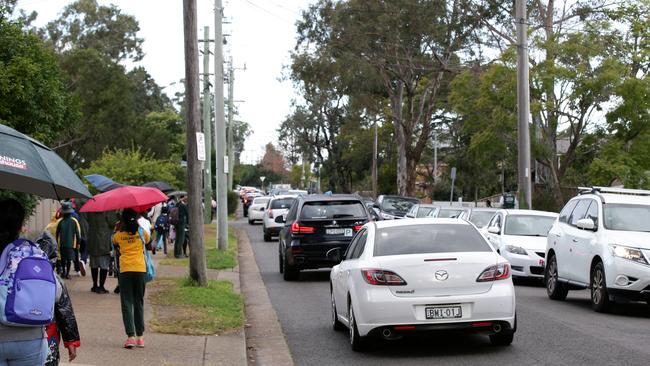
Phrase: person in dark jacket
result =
(68, 236)
(64, 325)
(100, 229)
(179, 244)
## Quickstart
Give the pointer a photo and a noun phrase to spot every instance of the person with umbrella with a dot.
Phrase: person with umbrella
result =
(100, 226)
(131, 241)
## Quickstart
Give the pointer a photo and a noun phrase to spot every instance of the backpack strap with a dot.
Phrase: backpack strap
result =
(141, 233)
(4, 257)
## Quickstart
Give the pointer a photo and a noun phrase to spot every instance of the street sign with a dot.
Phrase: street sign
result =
(200, 146)
(453, 173)
(262, 178)
(453, 179)
(226, 166)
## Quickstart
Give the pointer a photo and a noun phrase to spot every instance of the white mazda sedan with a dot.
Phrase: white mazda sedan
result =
(421, 275)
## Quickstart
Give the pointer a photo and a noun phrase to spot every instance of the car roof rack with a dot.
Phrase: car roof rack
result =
(598, 190)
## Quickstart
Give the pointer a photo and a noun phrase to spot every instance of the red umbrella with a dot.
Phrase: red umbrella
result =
(138, 198)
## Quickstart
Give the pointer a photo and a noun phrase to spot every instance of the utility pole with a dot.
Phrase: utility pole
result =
(523, 106)
(435, 157)
(231, 105)
(220, 131)
(197, 253)
(207, 178)
(374, 164)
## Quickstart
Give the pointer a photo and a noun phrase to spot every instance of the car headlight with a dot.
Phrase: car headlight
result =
(632, 254)
(516, 250)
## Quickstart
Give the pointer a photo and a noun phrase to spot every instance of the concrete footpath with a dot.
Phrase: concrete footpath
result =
(102, 332)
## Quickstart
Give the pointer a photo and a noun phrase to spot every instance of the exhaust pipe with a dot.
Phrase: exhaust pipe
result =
(386, 333)
(496, 328)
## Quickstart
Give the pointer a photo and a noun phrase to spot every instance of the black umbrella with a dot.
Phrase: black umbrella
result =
(162, 186)
(177, 193)
(28, 166)
(102, 183)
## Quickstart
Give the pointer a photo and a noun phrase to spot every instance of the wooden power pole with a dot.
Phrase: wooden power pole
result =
(198, 271)
(207, 97)
(523, 107)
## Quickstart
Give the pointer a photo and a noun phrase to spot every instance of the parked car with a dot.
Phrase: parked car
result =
(402, 277)
(520, 237)
(314, 225)
(421, 210)
(248, 200)
(601, 241)
(480, 216)
(453, 212)
(394, 207)
(257, 208)
(277, 206)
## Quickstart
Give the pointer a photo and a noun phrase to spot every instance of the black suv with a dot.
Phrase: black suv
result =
(314, 225)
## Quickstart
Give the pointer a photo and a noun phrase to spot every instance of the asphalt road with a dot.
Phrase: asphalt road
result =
(549, 332)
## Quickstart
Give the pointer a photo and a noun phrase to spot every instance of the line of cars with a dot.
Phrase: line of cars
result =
(400, 267)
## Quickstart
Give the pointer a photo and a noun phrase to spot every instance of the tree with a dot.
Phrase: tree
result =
(272, 160)
(134, 167)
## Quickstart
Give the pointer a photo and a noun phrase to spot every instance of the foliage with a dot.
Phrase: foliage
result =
(249, 175)
(215, 258)
(33, 96)
(28, 201)
(135, 167)
(233, 202)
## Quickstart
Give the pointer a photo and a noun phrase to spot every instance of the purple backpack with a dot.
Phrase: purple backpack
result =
(27, 286)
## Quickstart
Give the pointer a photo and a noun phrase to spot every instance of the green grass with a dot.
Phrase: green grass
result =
(181, 307)
(215, 259)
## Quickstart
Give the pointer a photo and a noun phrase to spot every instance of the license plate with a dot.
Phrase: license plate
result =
(344, 232)
(446, 312)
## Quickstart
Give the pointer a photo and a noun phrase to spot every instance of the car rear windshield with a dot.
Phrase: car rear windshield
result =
(626, 217)
(423, 239)
(449, 213)
(481, 218)
(282, 203)
(261, 201)
(528, 225)
(397, 204)
(332, 210)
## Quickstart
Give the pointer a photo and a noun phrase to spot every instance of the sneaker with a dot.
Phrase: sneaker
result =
(139, 342)
(77, 274)
(94, 289)
(101, 290)
(82, 268)
(130, 343)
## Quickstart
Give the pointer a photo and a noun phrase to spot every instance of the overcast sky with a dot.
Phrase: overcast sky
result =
(262, 34)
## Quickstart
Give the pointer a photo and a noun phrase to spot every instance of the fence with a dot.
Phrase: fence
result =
(41, 216)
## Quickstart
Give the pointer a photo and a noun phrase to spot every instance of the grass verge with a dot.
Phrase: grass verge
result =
(215, 259)
(181, 307)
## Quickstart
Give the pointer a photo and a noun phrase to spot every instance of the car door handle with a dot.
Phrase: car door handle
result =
(575, 240)
(557, 235)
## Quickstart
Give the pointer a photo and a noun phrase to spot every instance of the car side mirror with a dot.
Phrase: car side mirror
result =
(494, 230)
(279, 219)
(334, 254)
(586, 224)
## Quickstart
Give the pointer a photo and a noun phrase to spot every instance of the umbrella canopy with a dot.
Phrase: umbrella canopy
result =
(28, 166)
(164, 187)
(177, 193)
(102, 183)
(138, 198)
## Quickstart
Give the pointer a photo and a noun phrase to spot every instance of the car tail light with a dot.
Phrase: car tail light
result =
(382, 277)
(357, 227)
(296, 228)
(494, 273)
(297, 250)
(270, 213)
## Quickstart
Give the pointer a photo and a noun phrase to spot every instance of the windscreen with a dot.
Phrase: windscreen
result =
(481, 218)
(332, 210)
(423, 239)
(528, 225)
(261, 201)
(394, 204)
(424, 211)
(282, 203)
(446, 213)
(626, 217)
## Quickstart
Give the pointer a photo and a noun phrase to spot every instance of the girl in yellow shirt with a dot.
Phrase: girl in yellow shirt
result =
(130, 241)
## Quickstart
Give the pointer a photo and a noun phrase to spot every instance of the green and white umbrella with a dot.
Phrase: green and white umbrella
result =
(28, 166)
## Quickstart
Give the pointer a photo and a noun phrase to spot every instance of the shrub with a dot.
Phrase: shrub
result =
(233, 202)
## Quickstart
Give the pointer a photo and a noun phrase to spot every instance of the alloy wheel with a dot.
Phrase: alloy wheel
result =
(551, 282)
(351, 320)
(597, 287)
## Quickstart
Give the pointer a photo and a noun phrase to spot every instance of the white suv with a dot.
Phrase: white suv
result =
(601, 241)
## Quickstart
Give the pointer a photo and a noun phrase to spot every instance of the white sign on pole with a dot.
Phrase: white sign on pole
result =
(226, 166)
(453, 173)
(262, 178)
(200, 146)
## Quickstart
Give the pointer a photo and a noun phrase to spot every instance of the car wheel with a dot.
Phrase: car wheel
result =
(336, 324)
(599, 296)
(554, 288)
(357, 342)
(250, 222)
(503, 338)
(290, 273)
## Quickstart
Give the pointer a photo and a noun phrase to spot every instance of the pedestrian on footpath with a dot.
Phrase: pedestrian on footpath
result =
(26, 344)
(180, 227)
(99, 248)
(162, 229)
(131, 243)
(68, 235)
